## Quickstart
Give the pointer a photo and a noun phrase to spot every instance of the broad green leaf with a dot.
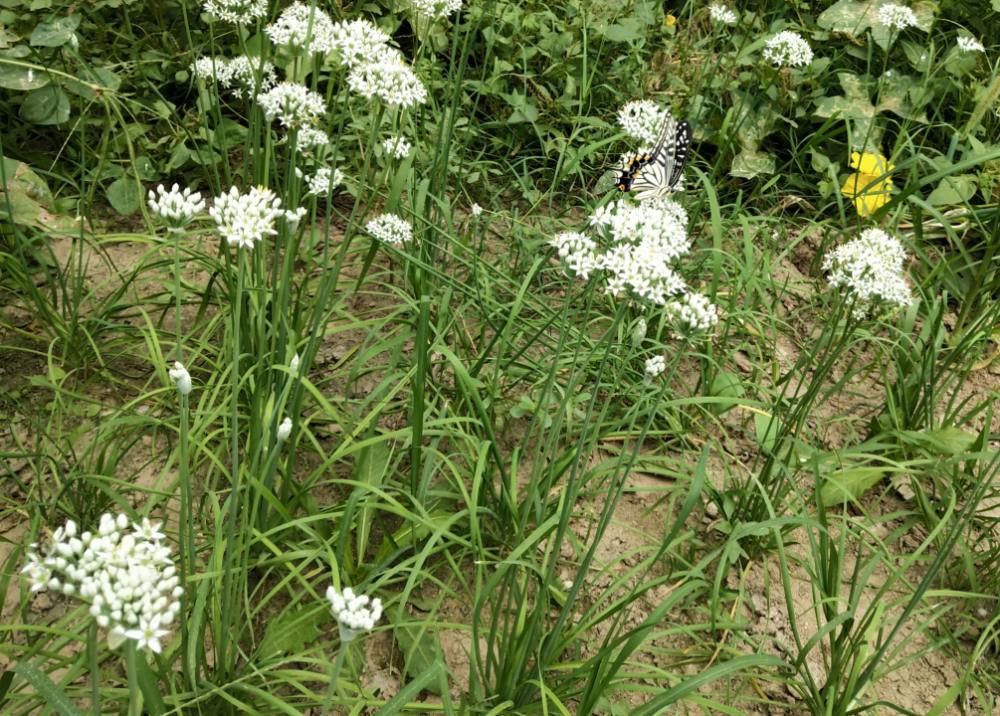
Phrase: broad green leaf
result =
(895, 96)
(851, 483)
(56, 33)
(370, 469)
(749, 164)
(954, 190)
(22, 78)
(179, 156)
(948, 441)
(627, 29)
(53, 694)
(124, 195)
(94, 76)
(420, 650)
(767, 430)
(31, 201)
(292, 630)
(820, 162)
(48, 105)
(854, 104)
(726, 385)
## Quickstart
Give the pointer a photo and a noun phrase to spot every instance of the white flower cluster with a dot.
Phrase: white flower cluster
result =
(391, 229)
(238, 74)
(643, 241)
(896, 16)
(303, 29)
(129, 579)
(357, 41)
(322, 181)
(788, 49)
(176, 209)
(244, 219)
(581, 253)
(389, 79)
(654, 366)
(692, 314)
(397, 147)
(293, 104)
(307, 136)
(871, 267)
(284, 430)
(236, 11)
(642, 120)
(477, 210)
(435, 9)
(352, 612)
(720, 13)
(293, 218)
(970, 44)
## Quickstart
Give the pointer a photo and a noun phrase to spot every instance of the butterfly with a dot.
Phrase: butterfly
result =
(656, 172)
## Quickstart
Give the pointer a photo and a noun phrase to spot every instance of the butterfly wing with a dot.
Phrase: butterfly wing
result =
(665, 173)
(651, 182)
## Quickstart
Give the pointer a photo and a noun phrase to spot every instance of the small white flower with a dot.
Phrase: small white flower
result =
(872, 268)
(176, 209)
(146, 530)
(244, 219)
(236, 11)
(389, 79)
(293, 366)
(284, 430)
(720, 13)
(352, 612)
(148, 634)
(477, 211)
(31, 75)
(390, 229)
(181, 378)
(581, 253)
(896, 16)
(642, 120)
(654, 366)
(435, 9)
(304, 29)
(293, 104)
(787, 49)
(970, 44)
(398, 148)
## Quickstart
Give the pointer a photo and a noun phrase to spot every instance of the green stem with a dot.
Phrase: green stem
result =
(131, 673)
(185, 540)
(95, 674)
(335, 676)
(234, 500)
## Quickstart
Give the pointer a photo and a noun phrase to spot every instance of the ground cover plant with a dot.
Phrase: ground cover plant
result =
(499, 357)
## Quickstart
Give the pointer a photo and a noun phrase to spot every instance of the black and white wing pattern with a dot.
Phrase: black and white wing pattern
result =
(658, 172)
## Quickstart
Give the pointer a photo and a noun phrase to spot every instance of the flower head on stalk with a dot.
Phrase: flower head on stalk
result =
(353, 613)
(389, 79)
(435, 9)
(175, 208)
(654, 366)
(787, 49)
(897, 17)
(294, 104)
(871, 267)
(248, 218)
(391, 229)
(642, 120)
(357, 41)
(128, 579)
(720, 13)
(303, 29)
